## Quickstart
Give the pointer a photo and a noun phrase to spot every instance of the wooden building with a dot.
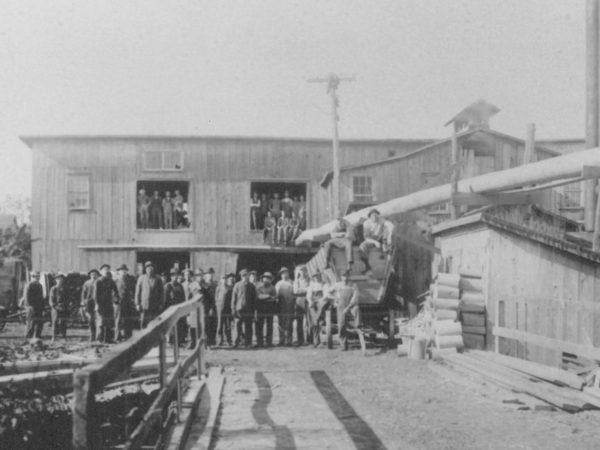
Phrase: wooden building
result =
(481, 150)
(84, 210)
(540, 284)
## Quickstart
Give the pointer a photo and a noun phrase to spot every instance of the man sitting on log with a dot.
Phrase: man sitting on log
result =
(378, 232)
(341, 237)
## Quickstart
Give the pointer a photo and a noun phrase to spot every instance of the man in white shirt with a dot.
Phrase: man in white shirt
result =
(287, 302)
(377, 232)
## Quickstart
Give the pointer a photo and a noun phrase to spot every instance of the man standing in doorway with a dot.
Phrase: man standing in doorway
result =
(149, 295)
(33, 301)
(243, 302)
(125, 309)
(287, 302)
(88, 303)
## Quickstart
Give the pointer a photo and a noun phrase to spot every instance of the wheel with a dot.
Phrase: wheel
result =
(328, 329)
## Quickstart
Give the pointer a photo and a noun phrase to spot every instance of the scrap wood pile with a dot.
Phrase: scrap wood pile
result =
(557, 387)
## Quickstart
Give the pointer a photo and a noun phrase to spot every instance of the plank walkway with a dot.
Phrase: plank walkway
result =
(287, 410)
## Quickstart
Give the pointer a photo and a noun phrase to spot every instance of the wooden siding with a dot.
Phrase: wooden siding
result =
(219, 172)
(541, 289)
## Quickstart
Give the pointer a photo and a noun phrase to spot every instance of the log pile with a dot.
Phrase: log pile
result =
(472, 311)
(557, 387)
(444, 302)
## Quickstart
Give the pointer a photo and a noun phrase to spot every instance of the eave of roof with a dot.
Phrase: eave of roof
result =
(461, 135)
(30, 139)
(527, 233)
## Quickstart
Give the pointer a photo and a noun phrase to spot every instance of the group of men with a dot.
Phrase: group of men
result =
(282, 219)
(256, 301)
(377, 232)
(159, 212)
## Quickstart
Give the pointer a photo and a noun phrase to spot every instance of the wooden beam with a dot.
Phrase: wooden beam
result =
(515, 198)
(588, 172)
(454, 209)
(561, 167)
(546, 342)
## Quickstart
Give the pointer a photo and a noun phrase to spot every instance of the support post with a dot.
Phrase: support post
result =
(592, 98)
(176, 359)
(529, 154)
(336, 150)
(162, 361)
(596, 235)
(454, 176)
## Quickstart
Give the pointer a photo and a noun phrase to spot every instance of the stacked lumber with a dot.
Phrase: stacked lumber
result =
(472, 311)
(554, 386)
(444, 303)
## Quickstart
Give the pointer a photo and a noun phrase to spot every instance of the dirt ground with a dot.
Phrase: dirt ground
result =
(407, 404)
(424, 404)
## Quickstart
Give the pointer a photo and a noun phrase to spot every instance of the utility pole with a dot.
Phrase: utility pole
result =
(333, 81)
(592, 104)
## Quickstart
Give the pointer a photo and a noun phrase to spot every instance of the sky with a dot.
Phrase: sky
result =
(226, 67)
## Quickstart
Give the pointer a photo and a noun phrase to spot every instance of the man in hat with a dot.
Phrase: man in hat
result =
(209, 284)
(341, 237)
(266, 307)
(317, 296)
(285, 297)
(125, 309)
(243, 302)
(59, 305)
(149, 295)
(174, 295)
(195, 293)
(88, 303)
(253, 278)
(223, 307)
(188, 277)
(301, 282)
(106, 296)
(346, 302)
(377, 233)
(33, 302)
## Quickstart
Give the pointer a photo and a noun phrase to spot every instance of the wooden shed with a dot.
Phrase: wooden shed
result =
(540, 289)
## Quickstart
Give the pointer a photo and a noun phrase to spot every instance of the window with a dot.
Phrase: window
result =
(362, 187)
(78, 191)
(163, 205)
(279, 209)
(163, 160)
(571, 196)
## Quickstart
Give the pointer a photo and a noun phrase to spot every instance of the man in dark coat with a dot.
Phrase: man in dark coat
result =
(59, 307)
(87, 302)
(125, 309)
(266, 308)
(243, 301)
(149, 295)
(33, 302)
(174, 295)
(223, 308)
(209, 288)
(105, 296)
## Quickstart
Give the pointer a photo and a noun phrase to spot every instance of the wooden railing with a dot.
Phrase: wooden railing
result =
(90, 380)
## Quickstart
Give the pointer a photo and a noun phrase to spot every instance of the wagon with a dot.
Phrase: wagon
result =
(378, 295)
